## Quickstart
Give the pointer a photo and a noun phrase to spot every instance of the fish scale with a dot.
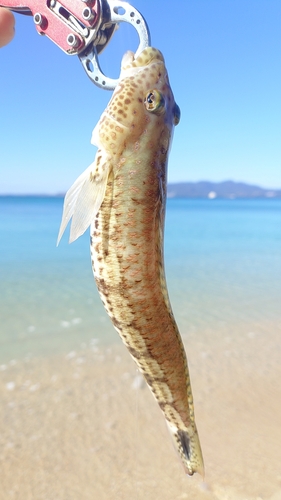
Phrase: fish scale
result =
(129, 177)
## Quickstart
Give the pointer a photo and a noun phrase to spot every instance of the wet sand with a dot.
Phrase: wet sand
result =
(83, 426)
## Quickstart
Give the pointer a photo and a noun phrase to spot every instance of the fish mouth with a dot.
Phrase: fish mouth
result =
(149, 55)
(131, 63)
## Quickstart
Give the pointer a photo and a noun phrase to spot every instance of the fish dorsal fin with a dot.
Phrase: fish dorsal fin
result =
(83, 200)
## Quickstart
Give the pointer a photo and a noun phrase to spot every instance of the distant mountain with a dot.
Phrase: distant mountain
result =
(226, 189)
(201, 189)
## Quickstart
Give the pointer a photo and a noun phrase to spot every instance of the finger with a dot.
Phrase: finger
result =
(7, 24)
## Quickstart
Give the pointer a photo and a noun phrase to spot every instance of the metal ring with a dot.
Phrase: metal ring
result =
(119, 12)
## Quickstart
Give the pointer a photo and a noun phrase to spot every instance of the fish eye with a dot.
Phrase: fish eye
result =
(177, 114)
(154, 101)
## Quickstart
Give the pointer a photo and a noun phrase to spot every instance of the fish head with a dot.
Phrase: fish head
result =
(142, 101)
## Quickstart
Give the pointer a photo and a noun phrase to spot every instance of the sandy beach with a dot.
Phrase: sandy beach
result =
(83, 425)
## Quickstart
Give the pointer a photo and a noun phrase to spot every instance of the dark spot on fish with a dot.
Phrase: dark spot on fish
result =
(150, 379)
(184, 441)
(134, 352)
(136, 201)
(116, 323)
(102, 286)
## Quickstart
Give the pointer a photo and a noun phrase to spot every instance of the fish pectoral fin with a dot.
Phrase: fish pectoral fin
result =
(83, 200)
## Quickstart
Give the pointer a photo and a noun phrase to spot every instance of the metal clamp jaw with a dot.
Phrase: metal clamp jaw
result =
(83, 28)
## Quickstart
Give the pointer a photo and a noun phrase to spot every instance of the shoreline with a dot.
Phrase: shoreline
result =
(83, 425)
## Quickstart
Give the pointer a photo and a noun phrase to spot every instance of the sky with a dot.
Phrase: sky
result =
(224, 64)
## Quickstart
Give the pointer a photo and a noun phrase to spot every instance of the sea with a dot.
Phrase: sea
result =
(223, 269)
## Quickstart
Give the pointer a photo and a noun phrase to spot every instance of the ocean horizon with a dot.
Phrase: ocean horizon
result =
(228, 189)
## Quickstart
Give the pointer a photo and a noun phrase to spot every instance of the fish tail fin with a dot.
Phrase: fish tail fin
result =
(188, 446)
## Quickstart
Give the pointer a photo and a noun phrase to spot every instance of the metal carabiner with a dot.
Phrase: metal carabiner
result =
(113, 13)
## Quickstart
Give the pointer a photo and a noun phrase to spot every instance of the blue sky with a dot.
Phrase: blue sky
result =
(224, 63)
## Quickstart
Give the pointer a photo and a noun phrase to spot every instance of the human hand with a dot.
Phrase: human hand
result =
(7, 23)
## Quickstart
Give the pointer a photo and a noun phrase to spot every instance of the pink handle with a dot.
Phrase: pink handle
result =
(53, 18)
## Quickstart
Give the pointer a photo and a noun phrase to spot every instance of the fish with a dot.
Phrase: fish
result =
(122, 197)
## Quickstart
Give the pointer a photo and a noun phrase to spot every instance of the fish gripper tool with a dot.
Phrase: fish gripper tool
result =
(83, 28)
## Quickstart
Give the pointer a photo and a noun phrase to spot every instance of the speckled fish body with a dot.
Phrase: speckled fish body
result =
(122, 195)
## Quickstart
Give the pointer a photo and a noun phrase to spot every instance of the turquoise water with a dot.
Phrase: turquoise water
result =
(223, 266)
